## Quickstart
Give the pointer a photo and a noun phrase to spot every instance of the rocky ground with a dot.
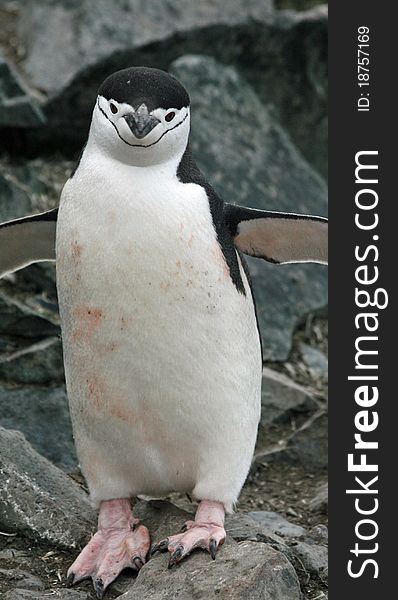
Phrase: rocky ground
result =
(256, 72)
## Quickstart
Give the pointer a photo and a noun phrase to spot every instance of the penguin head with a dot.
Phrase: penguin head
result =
(141, 116)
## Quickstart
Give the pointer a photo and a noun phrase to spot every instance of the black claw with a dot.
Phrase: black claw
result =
(175, 557)
(70, 579)
(213, 548)
(160, 547)
(138, 562)
(99, 588)
(184, 528)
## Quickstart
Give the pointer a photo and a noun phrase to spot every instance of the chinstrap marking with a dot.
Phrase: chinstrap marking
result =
(140, 145)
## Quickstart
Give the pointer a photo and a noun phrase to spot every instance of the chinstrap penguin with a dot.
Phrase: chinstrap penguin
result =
(161, 346)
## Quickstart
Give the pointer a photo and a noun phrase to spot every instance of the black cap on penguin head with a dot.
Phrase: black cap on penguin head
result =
(142, 85)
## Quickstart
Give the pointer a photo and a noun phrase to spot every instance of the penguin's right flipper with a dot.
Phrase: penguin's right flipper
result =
(27, 240)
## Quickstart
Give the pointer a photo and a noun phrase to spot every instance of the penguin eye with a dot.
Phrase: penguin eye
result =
(170, 116)
(113, 108)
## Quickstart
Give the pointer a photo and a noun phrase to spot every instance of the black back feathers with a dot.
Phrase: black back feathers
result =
(142, 85)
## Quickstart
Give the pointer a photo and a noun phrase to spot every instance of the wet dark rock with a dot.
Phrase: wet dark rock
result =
(38, 500)
(42, 415)
(18, 108)
(281, 397)
(277, 524)
(247, 164)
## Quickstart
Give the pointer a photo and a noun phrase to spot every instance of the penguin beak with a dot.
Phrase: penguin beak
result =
(141, 123)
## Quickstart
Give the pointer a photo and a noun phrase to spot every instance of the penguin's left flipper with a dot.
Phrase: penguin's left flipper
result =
(27, 240)
(278, 237)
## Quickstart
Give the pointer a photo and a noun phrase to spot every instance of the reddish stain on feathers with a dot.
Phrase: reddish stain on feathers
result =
(95, 392)
(76, 251)
(119, 412)
(88, 319)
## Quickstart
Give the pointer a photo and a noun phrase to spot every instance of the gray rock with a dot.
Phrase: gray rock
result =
(319, 503)
(16, 578)
(15, 555)
(297, 4)
(63, 38)
(247, 164)
(14, 199)
(318, 535)
(161, 517)
(242, 527)
(282, 397)
(275, 523)
(26, 319)
(18, 108)
(38, 500)
(38, 363)
(315, 360)
(40, 278)
(247, 569)
(60, 594)
(241, 571)
(283, 54)
(30, 187)
(288, 68)
(314, 558)
(308, 446)
(42, 415)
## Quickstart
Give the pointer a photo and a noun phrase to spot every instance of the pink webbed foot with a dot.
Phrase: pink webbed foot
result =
(206, 532)
(120, 542)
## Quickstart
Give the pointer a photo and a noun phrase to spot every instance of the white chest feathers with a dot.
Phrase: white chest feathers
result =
(160, 347)
(140, 233)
